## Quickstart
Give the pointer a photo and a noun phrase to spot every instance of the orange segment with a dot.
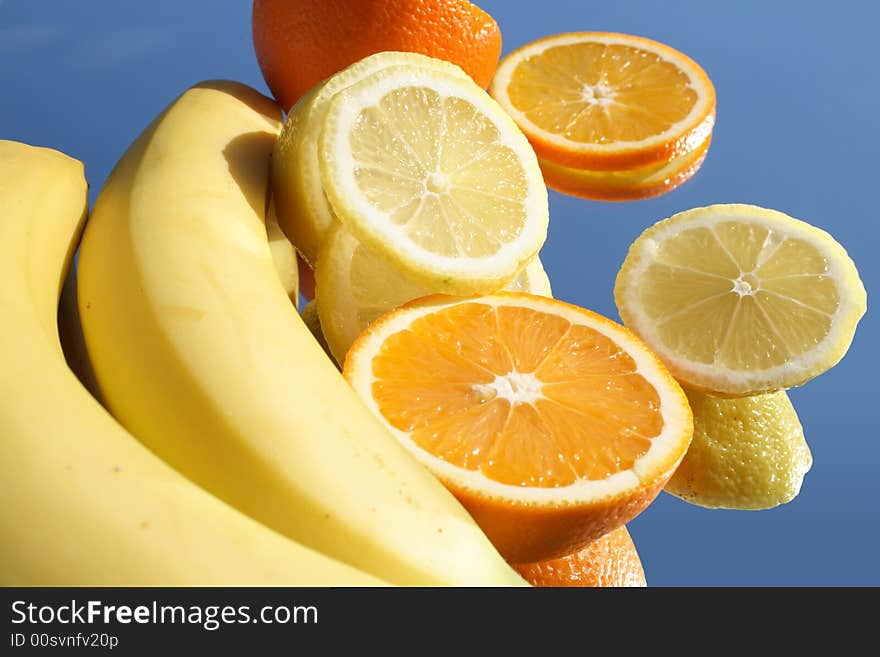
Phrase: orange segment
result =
(606, 102)
(552, 424)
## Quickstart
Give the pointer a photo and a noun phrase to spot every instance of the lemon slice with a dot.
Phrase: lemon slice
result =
(303, 210)
(426, 169)
(740, 300)
(355, 286)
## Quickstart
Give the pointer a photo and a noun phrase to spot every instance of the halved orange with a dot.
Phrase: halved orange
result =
(552, 425)
(606, 102)
(632, 185)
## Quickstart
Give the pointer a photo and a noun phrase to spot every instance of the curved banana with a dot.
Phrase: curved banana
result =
(283, 256)
(86, 503)
(70, 328)
(200, 354)
(71, 336)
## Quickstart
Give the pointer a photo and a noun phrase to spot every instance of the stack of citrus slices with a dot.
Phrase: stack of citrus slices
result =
(741, 302)
(399, 177)
(611, 116)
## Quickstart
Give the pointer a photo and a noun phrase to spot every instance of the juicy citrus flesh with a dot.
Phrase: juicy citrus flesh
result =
(601, 103)
(447, 187)
(740, 300)
(356, 286)
(629, 185)
(299, 195)
(605, 101)
(748, 453)
(553, 425)
(425, 168)
(525, 411)
(609, 561)
(510, 388)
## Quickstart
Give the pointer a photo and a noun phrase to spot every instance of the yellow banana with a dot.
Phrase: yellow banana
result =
(283, 256)
(200, 354)
(70, 328)
(86, 503)
(70, 333)
(310, 318)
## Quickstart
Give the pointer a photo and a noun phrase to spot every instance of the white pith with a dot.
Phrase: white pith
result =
(598, 94)
(515, 387)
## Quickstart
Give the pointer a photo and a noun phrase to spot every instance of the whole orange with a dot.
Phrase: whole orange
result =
(301, 42)
(611, 560)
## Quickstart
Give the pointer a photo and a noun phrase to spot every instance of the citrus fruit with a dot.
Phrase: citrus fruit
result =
(630, 185)
(747, 453)
(739, 300)
(302, 42)
(355, 286)
(606, 102)
(551, 424)
(303, 210)
(427, 170)
(609, 561)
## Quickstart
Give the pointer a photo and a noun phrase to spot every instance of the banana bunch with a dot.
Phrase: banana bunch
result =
(245, 457)
(87, 504)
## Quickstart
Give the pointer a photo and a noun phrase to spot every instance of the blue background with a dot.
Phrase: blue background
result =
(798, 105)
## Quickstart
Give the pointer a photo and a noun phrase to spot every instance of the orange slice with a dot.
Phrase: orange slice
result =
(552, 425)
(604, 101)
(635, 184)
(609, 561)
